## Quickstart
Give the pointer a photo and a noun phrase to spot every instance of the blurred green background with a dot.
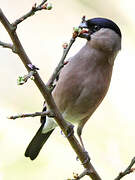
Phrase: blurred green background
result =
(108, 136)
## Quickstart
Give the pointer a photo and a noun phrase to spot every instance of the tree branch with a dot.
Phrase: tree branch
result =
(48, 97)
(84, 173)
(23, 79)
(61, 63)
(127, 171)
(34, 9)
(7, 45)
(42, 114)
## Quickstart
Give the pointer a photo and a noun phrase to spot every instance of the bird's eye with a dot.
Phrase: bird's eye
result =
(95, 28)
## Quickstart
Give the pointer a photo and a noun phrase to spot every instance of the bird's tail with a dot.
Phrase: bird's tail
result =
(37, 143)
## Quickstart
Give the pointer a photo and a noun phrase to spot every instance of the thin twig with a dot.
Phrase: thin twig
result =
(128, 170)
(8, 45)
(42, 114)
(23, 79)
(84, 173)
(42, 3)
(34, 9)
(61, 63)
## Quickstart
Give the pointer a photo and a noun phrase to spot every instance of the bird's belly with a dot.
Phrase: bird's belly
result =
(87, 102)
(73, 117)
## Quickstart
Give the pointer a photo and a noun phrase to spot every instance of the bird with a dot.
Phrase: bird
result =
(83, 82)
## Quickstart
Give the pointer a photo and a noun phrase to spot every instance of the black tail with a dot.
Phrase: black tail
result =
(37, 143)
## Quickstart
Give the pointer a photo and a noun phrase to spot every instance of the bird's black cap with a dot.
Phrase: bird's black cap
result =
(103, 23)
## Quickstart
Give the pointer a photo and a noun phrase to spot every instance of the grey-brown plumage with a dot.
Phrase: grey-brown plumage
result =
(84, 81)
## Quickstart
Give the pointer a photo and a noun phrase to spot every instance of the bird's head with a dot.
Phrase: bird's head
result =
(104, 33)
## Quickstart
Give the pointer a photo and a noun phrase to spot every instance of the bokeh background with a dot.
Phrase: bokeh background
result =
(109, 135)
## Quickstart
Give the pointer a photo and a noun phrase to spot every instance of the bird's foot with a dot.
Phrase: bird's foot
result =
(69, 130)
(87, 158)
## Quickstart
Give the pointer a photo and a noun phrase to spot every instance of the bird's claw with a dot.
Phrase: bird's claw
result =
(87, 158)
(70, 130)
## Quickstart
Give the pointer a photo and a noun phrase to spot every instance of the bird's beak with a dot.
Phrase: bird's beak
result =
(86, 34)
(83, 25)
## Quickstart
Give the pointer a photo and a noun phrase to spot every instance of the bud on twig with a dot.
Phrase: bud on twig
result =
(47, 6)
(20, 80)
(65, 45)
